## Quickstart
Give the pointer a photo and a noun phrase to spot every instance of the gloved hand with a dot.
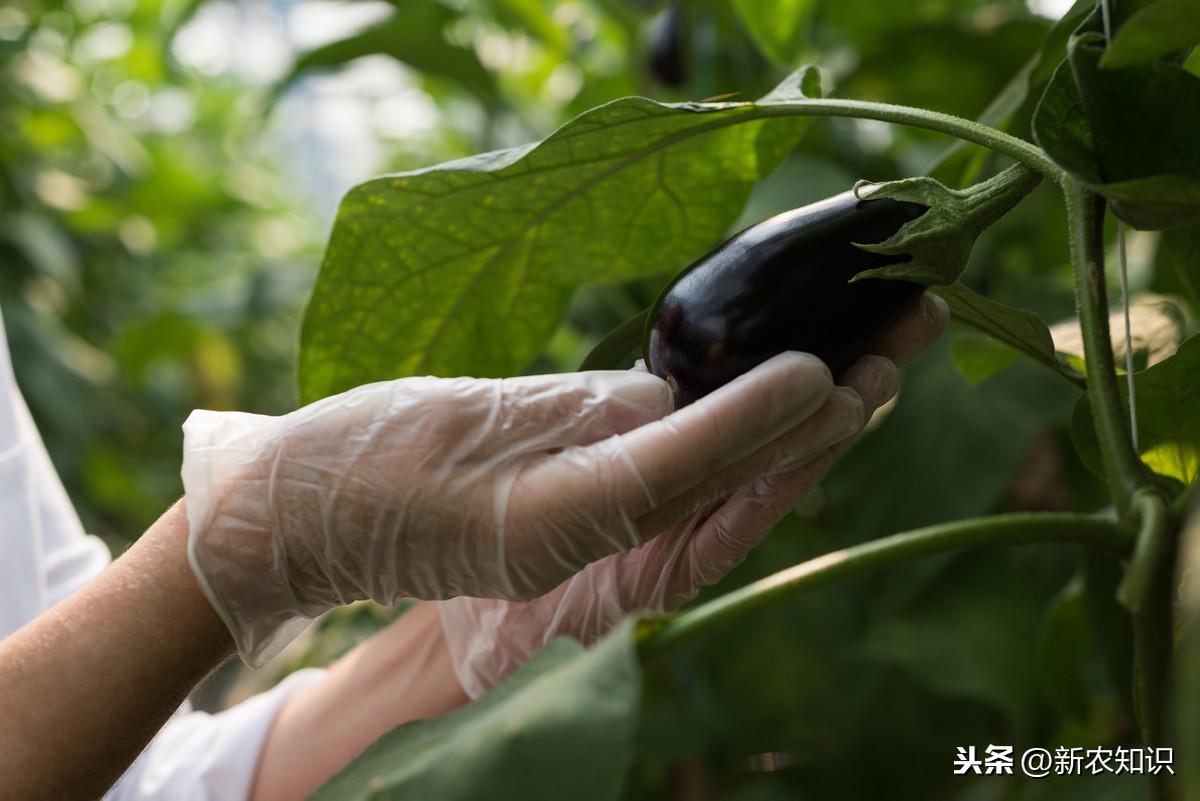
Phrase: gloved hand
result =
(489, 639)
(432, 488)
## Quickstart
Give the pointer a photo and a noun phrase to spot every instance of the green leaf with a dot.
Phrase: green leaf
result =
(1021, 330)
(618, 349)
(978, 358)
(1128, 134)
(467, 267)
(778, 27)
(1156, 30)
(413, 36)
(1168, 417)
(562, 727)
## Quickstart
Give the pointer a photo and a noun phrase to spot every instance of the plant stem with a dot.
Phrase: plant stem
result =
(968, 130)
(1010, 529)
(1147, 591)
(1122, 465)
(1146, 588)
(1150, 549)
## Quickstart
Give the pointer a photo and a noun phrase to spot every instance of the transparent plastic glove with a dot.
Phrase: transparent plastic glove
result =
(489, 639)
(432, 488)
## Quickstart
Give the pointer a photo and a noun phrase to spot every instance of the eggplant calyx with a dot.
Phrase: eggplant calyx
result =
(939, 242)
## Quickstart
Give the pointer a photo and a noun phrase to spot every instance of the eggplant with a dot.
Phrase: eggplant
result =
(667, 47)
(781, 284)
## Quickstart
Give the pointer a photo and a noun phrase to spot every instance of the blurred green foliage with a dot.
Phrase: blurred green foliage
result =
(152, 263)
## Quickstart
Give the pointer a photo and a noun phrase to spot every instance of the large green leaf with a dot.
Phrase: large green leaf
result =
(1128, 134)
(413, 36)
(467, 267)
(1156, 30)
(1168, 416)
(563, 727)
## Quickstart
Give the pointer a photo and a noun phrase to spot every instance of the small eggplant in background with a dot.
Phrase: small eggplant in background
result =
(667, 46)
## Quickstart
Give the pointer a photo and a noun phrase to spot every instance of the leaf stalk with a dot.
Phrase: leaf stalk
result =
(664, 634)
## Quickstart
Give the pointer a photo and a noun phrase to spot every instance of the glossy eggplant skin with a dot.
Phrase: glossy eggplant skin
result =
(782, 284)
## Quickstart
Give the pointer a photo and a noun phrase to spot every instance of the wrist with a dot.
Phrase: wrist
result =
(236, 548)
(162, 551)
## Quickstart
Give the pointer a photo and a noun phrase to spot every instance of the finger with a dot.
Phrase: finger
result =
(539, 413)
(693, 444)
(920, 326)
(875, 379)
(742, 522)
(622, 478)
(840, 418)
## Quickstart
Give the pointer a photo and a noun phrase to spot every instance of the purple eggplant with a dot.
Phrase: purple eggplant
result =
(782, 284)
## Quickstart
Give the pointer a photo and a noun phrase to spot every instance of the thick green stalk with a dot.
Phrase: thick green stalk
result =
(1146, 588)
(1010, 529)
(1122, 465)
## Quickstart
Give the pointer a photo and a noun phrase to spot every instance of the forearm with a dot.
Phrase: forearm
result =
(401, 674)
(86, 685)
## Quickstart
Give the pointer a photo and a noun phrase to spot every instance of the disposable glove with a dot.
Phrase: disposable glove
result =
(433, 488)
(489, 639)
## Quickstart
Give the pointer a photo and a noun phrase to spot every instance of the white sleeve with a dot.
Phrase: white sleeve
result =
(45, 555)
(203, 757)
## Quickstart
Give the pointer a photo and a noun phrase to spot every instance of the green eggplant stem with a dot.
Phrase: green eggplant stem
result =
(663, 634)
(967, 130)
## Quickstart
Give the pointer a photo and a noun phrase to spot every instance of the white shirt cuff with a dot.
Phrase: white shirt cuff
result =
(202, 757)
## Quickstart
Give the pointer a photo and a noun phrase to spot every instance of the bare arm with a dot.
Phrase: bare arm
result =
(85, 686)
(402, 673)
